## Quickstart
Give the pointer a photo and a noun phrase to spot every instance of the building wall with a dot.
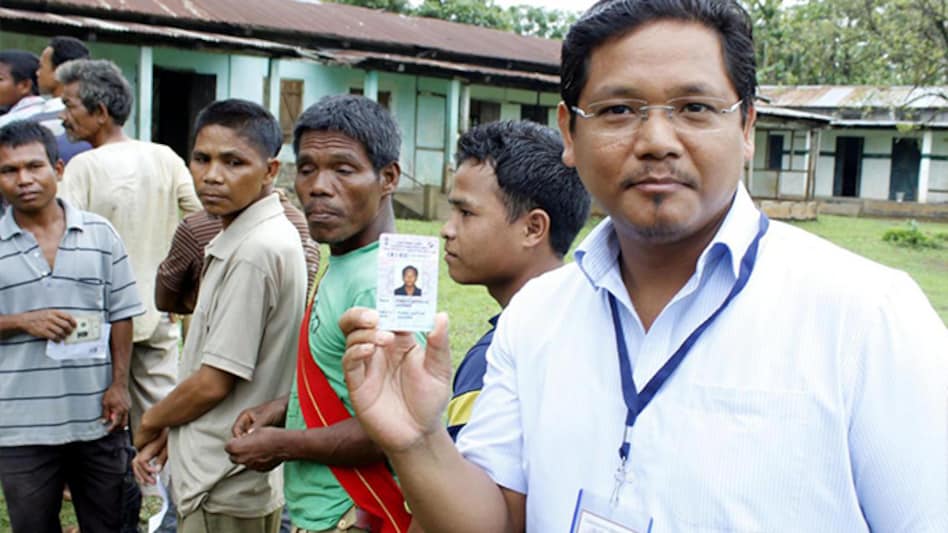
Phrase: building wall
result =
(876, 164)
(512, 100)
(793, 162)
(938, 177)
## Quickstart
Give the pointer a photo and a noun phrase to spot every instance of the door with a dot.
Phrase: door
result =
(848, 166)
(906, 157)
(177, 98)
(429, 139)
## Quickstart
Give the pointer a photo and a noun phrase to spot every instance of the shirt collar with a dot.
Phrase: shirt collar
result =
(597, 255)
(9, 227)
(27, 102)
(55, 103)
(228, 240)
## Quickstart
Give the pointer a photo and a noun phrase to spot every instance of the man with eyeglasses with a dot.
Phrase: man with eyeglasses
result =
(698, 368)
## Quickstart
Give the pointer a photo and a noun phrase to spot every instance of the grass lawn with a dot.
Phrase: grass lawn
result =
(470, 307)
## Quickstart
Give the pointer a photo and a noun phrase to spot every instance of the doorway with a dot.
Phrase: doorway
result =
(177, 97)
(848, 166)
(903, 182)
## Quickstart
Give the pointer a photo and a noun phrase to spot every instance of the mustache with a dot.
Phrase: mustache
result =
(660, 172)
(322, 209)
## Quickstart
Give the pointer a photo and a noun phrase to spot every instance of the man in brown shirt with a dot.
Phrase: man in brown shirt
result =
(179, 275)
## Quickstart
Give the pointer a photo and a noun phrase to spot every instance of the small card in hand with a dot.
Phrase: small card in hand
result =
(407, 291)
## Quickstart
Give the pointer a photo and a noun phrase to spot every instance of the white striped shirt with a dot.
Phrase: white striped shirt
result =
(44, 401)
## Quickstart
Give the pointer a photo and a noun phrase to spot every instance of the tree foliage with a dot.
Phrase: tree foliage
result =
(875, 42)
(522, 19)
(831, 42)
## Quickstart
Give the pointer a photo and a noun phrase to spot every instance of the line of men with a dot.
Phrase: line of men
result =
(252, 277)
(643, 387)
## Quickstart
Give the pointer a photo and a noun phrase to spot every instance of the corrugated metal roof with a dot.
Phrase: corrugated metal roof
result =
(339, 56)
(133, 28)
(782, 112)
(336, 21)
(856, 96)
(459, 69)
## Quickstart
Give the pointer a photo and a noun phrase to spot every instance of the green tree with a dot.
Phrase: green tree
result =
(547, 23)
(395, 6)
(525, 20)
(483, 13)
(884, 42)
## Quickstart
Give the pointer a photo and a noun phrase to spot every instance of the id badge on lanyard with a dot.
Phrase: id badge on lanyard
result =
(596, 513)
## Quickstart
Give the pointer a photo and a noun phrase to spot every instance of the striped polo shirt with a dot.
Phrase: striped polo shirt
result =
(44, 401)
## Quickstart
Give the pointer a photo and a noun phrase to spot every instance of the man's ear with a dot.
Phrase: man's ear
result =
(102, 111)
(58, 168)
(390, 175)
(273, 170)
(749, 133)
(564, 120)
(536, 228)
(24, 87)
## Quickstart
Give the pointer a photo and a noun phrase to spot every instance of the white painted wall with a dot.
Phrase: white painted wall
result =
(938, 178)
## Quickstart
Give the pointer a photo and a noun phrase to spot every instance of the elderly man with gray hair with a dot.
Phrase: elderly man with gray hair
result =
(140, 187)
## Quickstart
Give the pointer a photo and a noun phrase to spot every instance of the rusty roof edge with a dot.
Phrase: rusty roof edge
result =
(152, 33)
(454, 68)
(272, 34)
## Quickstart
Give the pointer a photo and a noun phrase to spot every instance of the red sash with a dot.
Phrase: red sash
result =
(372, 487)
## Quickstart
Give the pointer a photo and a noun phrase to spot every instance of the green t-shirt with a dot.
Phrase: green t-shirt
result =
(315, 499)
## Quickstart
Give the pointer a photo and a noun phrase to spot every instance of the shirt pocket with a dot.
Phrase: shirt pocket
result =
(739, 458)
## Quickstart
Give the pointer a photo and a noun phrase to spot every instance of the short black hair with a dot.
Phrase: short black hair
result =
(611, 19)
(527, 160)
(100, 82)
(67, 49)
(22, 66)
(409, 267)
(249, 120)
(358, 118)
(22, 132)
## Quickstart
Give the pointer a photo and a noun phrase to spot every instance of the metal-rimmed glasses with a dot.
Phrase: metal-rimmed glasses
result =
(687, 114)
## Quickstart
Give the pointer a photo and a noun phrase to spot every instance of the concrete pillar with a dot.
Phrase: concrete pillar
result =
(451, 120)
(465, 118)
(145, 81)
(273, 76)
(370, 85)
(925, 166)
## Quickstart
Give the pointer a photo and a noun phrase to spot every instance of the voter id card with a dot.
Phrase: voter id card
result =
(88, 329)
(596, 514)
(407, 290)
(89, 340)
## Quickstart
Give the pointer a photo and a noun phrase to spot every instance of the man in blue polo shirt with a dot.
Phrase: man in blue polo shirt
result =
(516, 208)
(64, 276)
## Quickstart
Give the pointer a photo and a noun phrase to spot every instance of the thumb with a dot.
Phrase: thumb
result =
(438, 350)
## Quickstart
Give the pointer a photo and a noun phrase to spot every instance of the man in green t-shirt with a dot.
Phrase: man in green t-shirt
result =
(347, 150)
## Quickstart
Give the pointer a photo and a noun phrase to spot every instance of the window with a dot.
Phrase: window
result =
(483, 112)
(536, 113)
(291, 105)
(774, 152)
(384, 97)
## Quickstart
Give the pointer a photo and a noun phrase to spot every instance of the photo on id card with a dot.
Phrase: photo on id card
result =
(407, 290)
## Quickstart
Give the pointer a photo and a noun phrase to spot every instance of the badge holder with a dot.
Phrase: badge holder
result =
(595, 513)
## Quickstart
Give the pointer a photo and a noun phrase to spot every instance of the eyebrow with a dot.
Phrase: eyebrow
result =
(459, 202)
(621, 91)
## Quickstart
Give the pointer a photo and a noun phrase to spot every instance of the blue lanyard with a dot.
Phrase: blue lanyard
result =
(636, 401)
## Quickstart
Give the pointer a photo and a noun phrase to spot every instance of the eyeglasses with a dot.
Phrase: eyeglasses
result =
(688, 114)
